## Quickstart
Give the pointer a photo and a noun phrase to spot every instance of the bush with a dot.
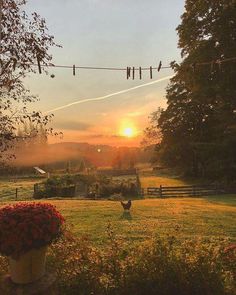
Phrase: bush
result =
(126, 189)
(99, 186)
(61, 186)
(162, 266)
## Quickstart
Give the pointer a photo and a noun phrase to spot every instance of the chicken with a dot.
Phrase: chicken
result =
(127, 205)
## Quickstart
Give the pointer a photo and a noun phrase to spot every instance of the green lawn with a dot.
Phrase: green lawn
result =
(156, 181)
(25, 188)
(185, 217)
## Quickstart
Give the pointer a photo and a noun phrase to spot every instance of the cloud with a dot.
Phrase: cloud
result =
(71, 125)
(134, 114)
(92, 136)
(95, 136)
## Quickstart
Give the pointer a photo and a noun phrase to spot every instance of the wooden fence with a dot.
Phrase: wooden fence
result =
(11, 194)
(187, 191)
(17, 193)
(117, 172)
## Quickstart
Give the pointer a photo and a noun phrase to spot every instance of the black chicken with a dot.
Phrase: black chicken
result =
(127, 205)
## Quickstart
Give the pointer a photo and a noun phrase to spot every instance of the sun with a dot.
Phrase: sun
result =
(128, 132)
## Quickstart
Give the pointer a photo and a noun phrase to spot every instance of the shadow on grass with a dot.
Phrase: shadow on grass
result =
(222, 199)
(126, 216)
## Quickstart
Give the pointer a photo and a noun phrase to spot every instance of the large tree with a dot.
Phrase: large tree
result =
(199, 125)
(24, 42)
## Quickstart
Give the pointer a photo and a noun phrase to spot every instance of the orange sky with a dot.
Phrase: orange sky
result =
(105, 34)
(111, 129)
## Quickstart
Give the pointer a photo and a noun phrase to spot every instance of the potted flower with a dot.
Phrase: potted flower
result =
(26, 229)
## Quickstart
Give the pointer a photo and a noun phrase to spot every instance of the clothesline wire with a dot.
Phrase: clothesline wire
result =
(216, 61)
(101, 68)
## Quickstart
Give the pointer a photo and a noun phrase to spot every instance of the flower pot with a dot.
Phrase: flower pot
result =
(29, 267)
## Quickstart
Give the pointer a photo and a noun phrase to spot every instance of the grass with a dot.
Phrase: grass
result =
(100, 269)
(25, 188)
(156, 181)
(185, 217)
(165, 177)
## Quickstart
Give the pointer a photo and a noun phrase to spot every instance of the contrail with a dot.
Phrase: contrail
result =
(108, 95)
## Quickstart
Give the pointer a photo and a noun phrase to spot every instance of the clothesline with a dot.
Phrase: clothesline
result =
(131, 71)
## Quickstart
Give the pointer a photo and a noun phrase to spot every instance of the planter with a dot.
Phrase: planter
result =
(29, 268)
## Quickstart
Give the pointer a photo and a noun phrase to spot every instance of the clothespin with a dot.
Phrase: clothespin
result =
(128, 72)
(39, 66)
(150, 72)
(219, 63)
(212, 66)
(140, 73)
(73, 70)
(133, 72)
(14, 64)
(159, 67)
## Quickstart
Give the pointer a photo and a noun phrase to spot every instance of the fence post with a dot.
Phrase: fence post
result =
(36, 187)
(142, 192)
(193, 191)
(16, 193)
(160, 191)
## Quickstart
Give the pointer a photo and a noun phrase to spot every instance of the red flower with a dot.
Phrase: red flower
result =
(26, 226)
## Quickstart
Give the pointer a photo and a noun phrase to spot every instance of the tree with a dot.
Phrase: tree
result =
(152, 134)
(30, 137)
(82, 166)
(132, 161)
(24, 42)
(117, 161)
(199, 125)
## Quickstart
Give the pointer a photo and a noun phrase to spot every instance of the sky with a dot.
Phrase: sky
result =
(106, 33)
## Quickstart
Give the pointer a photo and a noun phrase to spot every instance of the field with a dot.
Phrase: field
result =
(202, 227)
(184, 217)
(163, 177)
(25, 188)
(156, 181)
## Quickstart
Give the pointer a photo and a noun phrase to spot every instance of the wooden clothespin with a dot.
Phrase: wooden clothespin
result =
(140, 73)
(14, 64)
(73, 70)
(150, 72)
(39, 66)
(219, 63)
(159, 66)
(212, 66)
(128, 72)
(133, 73)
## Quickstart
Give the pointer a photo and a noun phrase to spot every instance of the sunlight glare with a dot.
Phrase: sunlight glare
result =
(128, 132)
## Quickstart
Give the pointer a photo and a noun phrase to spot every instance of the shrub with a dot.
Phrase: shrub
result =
(63, 186)
(126, 189)
(162, 266)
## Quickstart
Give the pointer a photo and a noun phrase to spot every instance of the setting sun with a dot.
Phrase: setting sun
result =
(128, 131)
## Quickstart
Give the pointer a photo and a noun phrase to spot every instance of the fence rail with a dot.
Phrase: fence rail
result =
(187, 191)
(16, 194)
(27, 192)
